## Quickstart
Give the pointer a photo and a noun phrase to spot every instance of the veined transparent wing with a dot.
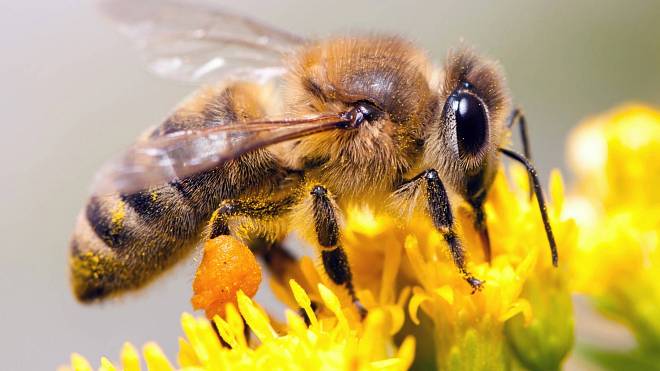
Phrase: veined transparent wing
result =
(156, 161)
(199, 42)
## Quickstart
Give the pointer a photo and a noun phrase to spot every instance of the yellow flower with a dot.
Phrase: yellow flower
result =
(421, 313)
(617, 204)
(404, 277)
(328, 343)
(523, 313)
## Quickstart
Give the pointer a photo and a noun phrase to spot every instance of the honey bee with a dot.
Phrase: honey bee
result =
(285, 135)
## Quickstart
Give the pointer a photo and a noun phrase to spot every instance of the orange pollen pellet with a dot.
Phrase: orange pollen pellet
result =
(228, 265)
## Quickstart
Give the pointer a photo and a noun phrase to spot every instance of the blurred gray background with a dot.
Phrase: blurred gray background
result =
(72, 93)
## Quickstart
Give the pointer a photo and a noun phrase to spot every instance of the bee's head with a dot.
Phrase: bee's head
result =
(463, 137)
(380, 85)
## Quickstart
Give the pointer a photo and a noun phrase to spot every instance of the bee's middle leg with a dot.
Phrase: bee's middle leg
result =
(335, 261)
(480, 225)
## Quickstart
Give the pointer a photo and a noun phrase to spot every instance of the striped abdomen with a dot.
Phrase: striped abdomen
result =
(122, 241)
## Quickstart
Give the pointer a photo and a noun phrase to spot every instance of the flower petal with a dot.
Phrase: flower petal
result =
(413, 306)
(155, 359)
(130, 360)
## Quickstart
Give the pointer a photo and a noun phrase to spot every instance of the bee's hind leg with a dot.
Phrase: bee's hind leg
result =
(219, 224)
(276, 258)
(279, 261)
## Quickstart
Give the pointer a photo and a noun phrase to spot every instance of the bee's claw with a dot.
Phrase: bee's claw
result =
(361, 309)
(475, 283)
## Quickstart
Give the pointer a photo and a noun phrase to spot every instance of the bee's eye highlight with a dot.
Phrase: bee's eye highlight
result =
(471, 120)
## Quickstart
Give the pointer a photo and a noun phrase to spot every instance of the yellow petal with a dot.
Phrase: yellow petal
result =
(367, 298)
(406, 352)
(130, 360)
(390, 270)
(332, 302)
(387, 364)
(413, 306)
(79, 363)
(186, 356)
(237, 324)
(372, 338)
(106, 365)
(364, 221)
(155, 359)
(210, 341)
(445, 292)
(303, 301)
(257, 321)
(397, 318)
(557, 190)
(189, 326)
(415, 257)
(296, 324)
(519, 306)
(225, 331)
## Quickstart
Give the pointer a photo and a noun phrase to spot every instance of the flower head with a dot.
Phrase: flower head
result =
(617, 205)
(406, 272)
(406, 280)
(328, 343)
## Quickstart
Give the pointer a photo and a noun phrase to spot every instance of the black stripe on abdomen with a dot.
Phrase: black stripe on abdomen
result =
(145, 203)
(114, 235)
(164, 211)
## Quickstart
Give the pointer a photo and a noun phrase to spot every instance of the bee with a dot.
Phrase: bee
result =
(286, 133)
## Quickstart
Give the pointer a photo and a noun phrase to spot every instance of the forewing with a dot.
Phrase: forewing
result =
(156, 161)
(198, 42)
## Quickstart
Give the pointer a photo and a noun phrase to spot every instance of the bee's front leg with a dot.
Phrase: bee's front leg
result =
(439, 210)
(335, 261)
(517, 116)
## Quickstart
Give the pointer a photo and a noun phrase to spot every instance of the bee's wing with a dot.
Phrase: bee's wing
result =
(198, 42)
(156, 161)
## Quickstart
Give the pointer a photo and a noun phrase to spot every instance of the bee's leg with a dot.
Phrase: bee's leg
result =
(480, 225)
(228, 209)
(277, 259)
(539, 198)
(326, 226)
(439, 209)
(517, 116)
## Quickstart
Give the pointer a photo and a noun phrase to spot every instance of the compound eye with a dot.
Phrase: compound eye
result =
(471, 120)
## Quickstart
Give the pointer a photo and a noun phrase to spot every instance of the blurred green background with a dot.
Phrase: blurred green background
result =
(73, 93)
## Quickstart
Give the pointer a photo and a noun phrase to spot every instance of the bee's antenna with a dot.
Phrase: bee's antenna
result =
(539, 196)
